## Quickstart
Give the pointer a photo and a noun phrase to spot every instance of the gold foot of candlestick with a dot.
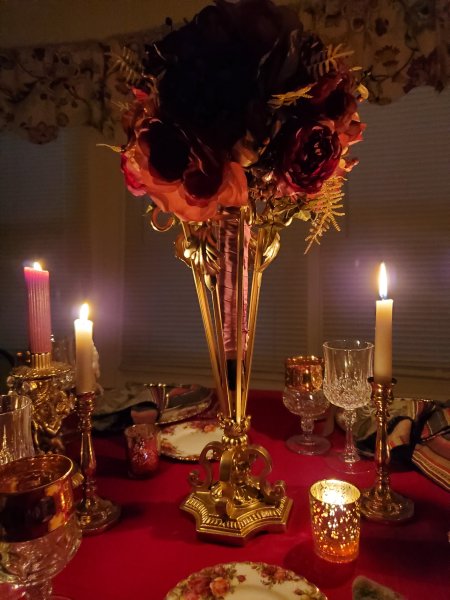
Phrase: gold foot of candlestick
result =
(240, 503)
(94, 513)
(380, 503)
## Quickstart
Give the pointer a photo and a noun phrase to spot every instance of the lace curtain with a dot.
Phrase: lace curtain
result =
(401, 44)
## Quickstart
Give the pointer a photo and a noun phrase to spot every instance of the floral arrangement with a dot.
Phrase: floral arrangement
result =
(240, 106)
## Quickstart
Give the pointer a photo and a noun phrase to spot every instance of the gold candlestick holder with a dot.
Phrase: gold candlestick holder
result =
(380, 503)
(49, 384)
(95, 514)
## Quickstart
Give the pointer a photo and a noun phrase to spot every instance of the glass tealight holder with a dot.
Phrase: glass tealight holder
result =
(335, 520)
(15, 427)
(143, 448)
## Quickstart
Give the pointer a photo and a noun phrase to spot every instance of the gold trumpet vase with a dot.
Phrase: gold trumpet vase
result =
(380, 503)
(235, 500)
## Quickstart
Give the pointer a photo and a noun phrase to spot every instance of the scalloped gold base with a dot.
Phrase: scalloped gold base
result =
(96, 514)
(247, 521)
(388, 508)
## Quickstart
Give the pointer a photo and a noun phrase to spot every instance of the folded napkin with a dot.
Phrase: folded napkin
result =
(367, 589)
(418, 434)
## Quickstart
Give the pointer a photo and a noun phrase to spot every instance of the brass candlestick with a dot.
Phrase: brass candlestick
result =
(49, 384)
(95, 514)
(380, 502)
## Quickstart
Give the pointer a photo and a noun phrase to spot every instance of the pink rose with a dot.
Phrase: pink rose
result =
(199, 584)
(219, 587)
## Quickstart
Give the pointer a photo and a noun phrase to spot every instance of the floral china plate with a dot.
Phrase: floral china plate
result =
(185, 441)
(245, 581)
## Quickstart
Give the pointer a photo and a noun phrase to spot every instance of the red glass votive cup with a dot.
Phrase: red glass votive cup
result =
(143, 447)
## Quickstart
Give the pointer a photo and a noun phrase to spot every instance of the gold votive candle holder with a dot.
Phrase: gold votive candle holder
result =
(335, 520)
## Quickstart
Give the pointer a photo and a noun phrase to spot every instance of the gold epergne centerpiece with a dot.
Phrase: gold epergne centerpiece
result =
(241, 122)
(239, 502)
(380, 502)
(49, 384)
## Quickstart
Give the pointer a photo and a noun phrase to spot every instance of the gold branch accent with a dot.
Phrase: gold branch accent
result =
(327, 59)
(129, 64)
(325, 208)
(279, 100)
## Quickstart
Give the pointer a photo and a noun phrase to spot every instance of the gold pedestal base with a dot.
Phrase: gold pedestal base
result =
(245, 523)
(387, 508)
(95, 515)
(241, 502)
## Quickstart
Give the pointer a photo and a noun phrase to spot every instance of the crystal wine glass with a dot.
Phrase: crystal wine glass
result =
(303, 396)
(39, 532)
(348, 366)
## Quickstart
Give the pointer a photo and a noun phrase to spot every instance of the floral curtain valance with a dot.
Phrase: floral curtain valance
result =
(401, 44)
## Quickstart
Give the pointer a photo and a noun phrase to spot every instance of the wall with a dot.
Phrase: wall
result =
(56, 21)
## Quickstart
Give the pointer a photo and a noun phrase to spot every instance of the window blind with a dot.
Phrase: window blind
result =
(43, 191)
(398, 211)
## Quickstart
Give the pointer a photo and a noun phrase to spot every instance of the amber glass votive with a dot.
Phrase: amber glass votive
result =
(335, 519)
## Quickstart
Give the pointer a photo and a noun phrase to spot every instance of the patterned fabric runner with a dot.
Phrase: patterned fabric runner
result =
(419, 433)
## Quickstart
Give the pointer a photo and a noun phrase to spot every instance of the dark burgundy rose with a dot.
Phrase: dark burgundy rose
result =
(171, 157)
(210, 69)
(340, 106)
(202, 178)
(311, 157)
(167, 149)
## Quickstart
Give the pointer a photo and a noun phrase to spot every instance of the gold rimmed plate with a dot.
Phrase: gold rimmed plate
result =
(186, 440)
(245, 581)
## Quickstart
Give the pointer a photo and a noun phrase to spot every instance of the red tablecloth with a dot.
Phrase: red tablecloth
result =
(155, 544)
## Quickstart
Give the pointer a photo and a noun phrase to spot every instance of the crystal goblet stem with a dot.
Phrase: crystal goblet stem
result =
(350, 454)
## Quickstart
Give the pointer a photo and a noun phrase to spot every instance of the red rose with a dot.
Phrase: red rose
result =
(311, 157)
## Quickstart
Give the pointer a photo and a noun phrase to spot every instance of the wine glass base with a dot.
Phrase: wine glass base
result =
(310, 445)
(336, 461)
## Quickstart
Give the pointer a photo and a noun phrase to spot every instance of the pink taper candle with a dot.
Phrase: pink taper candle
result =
(84, 345)
(39, 318)
(382, 368)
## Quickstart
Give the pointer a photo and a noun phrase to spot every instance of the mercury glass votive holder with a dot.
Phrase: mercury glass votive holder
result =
(335, 520)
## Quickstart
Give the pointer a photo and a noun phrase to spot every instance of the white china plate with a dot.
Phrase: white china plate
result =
(185, 441)
(245, 581)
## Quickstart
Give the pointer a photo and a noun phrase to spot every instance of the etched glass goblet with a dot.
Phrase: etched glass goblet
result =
(348, 366)
(39, 531)
(303, 396)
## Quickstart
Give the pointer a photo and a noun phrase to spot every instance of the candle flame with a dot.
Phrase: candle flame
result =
(382, 281)
(331, 496)
(37, 266)
(84, 311)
